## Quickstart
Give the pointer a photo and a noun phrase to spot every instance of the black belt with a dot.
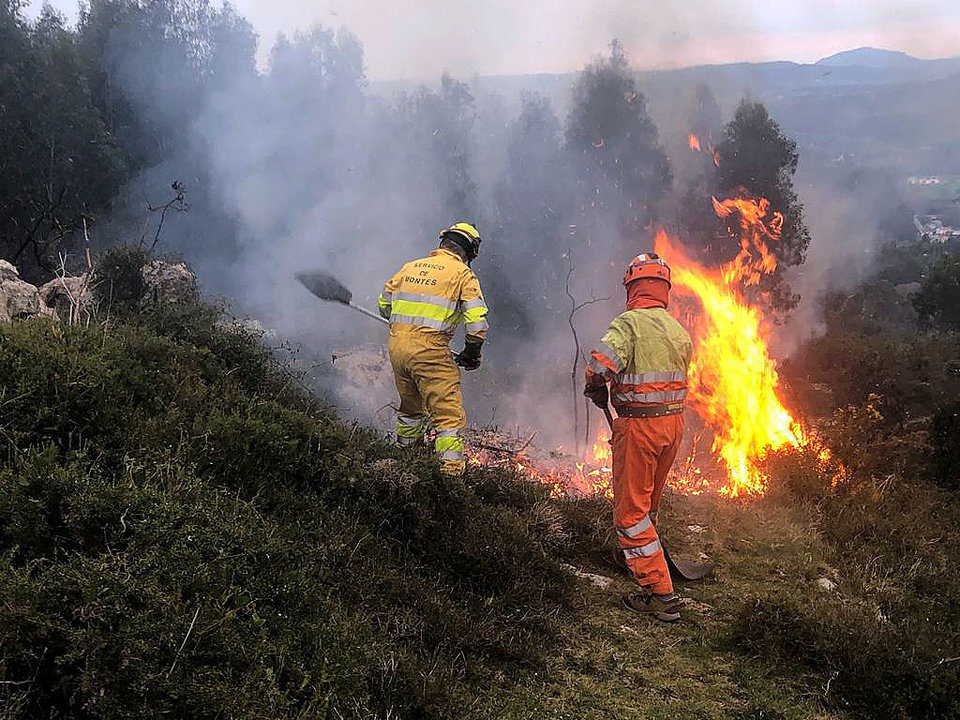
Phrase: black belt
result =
(649, 411)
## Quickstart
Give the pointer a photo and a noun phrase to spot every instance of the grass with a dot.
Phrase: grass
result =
(614, 664)
(179, 535)
(185, 532)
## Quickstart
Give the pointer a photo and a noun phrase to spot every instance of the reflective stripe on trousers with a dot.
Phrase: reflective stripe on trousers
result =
(410, 429)
(635, 529)
(449, 446)
(648, 550)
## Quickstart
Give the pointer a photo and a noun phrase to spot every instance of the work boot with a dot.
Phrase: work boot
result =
(662, 607)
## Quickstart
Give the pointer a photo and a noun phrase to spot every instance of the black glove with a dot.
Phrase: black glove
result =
(598, 394)
(469, 359)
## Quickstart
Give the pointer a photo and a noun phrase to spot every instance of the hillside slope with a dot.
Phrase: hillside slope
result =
(184, 532)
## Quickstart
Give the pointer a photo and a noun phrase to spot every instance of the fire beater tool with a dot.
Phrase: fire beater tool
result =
(686, 569)
(327, 287)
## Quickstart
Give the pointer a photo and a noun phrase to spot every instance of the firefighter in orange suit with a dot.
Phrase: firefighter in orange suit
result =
(644, 355)
(425, 302)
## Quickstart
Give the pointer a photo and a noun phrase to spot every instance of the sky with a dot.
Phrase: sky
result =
(420, 39)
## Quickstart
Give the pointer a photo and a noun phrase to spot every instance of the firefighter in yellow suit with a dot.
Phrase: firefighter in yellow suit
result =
(425, 302)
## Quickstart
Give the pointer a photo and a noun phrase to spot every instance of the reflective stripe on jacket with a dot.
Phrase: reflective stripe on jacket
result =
(644, 354)
(435, 294)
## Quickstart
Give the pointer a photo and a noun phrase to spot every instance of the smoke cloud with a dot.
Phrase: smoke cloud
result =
(295, 162)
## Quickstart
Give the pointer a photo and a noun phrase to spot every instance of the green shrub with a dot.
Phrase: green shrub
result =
(874, 666)
(871, 309)
(117, 280)
(168, 473)
(884, 406)
(938, 302)
(945, 446)
(910, 376)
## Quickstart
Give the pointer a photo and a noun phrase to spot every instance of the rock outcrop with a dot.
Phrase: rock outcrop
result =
(69, 298)
(18, 298)
(169, 282)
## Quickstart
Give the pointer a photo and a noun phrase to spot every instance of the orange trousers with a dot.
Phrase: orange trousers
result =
(643, 451)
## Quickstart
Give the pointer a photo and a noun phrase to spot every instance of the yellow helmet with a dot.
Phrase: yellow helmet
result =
(466, 235)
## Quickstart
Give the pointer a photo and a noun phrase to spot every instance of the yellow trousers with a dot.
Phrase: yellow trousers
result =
(428, 382)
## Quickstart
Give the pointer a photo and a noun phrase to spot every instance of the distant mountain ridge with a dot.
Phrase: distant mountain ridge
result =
(871, 57)
(883, 107)
(860, 67)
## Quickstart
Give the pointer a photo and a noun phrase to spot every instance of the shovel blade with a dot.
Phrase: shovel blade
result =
(325, 286)
(686, 569)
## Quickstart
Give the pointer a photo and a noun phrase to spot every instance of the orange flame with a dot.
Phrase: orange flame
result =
(694, 142)
(745, 268)
(733, 380)
(601, 453)
(565, 477)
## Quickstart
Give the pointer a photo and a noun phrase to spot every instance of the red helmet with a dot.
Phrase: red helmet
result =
(647, 265)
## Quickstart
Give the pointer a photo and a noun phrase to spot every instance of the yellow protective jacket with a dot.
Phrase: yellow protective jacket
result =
(432, 296)
(644, 354)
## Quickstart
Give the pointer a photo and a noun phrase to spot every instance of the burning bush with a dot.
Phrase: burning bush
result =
(734, 385)
(797, 473)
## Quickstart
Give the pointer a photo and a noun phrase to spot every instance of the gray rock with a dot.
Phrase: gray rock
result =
(600, 581)
(18, 299)
(908, 289)
(169, 282)
(8, 272)
(826, 584)
(69, 298)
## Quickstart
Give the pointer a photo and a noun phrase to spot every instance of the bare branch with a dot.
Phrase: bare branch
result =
(575, 307)
(177, 202)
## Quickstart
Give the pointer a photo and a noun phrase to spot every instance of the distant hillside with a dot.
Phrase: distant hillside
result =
(881, 107)
(870, 57)
(863, 66)
(911, 125)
